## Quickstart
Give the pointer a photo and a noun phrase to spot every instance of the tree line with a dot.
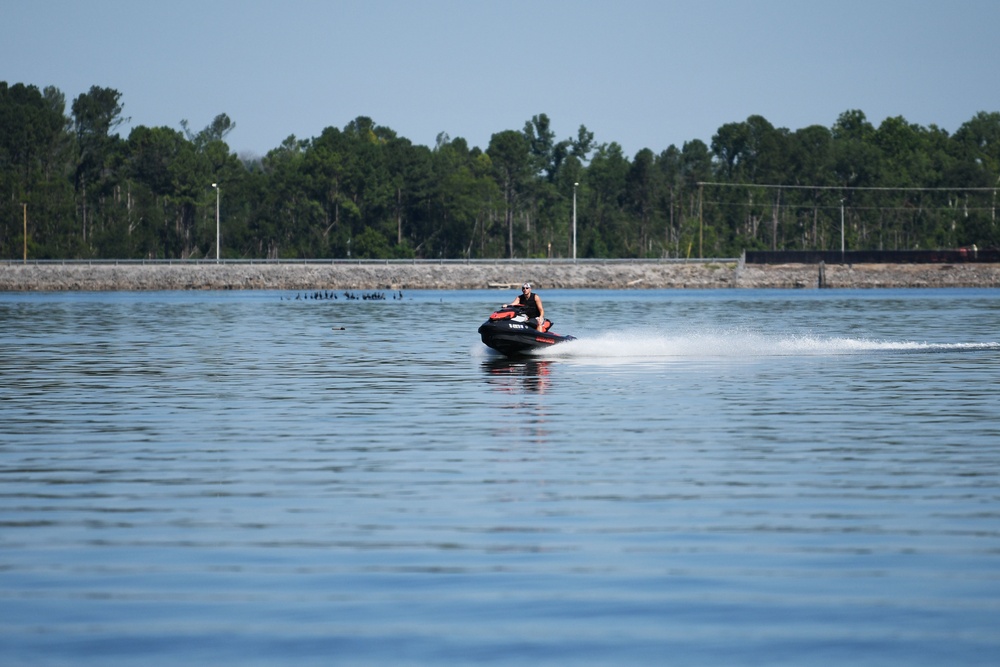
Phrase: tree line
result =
(83, 191)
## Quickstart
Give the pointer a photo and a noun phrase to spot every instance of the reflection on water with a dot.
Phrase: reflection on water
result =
(523, 382)
(531, 375)
(741, 478)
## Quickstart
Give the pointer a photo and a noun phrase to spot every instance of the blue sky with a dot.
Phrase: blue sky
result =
(644, 74)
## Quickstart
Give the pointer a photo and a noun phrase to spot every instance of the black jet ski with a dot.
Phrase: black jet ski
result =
(512, 334)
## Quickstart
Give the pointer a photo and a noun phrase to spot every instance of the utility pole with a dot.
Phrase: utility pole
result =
(701, 222)
(217, 234)
(574, 220)
(841, 231)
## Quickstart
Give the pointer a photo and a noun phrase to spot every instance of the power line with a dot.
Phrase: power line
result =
(827, 207)
(843, 187)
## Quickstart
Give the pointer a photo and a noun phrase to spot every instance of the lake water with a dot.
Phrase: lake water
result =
(704, 478)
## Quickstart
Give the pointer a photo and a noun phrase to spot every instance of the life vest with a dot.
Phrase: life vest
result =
(530, 305)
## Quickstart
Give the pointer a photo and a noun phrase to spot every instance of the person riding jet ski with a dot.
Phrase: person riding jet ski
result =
(520, 328)
(532, 304)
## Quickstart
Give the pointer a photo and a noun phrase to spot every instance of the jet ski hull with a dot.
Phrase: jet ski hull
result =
(513, 339)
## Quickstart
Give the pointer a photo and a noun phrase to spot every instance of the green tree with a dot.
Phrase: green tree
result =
(289, 212)
(510, 156)
(976, 163)
(810, 161)
(34, 150)
(365, 191)
(541, 143)
(608, 232)
(217, 130)
(95, 115)
(643, 184)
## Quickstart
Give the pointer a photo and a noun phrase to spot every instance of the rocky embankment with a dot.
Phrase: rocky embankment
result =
(456, 275)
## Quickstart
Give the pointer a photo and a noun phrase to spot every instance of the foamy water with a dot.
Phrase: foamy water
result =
(642, 345)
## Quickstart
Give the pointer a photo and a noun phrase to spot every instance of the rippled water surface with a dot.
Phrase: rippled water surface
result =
(704, 478)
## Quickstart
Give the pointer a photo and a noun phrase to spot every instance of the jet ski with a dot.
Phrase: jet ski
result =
(510, 332)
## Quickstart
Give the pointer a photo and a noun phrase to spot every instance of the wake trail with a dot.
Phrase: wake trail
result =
(739, 344)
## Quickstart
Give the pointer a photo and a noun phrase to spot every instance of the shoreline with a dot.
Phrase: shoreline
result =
(16, 277)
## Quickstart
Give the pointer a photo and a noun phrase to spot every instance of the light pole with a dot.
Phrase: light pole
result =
(217, 235)
(574, 220)
(841, 231)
